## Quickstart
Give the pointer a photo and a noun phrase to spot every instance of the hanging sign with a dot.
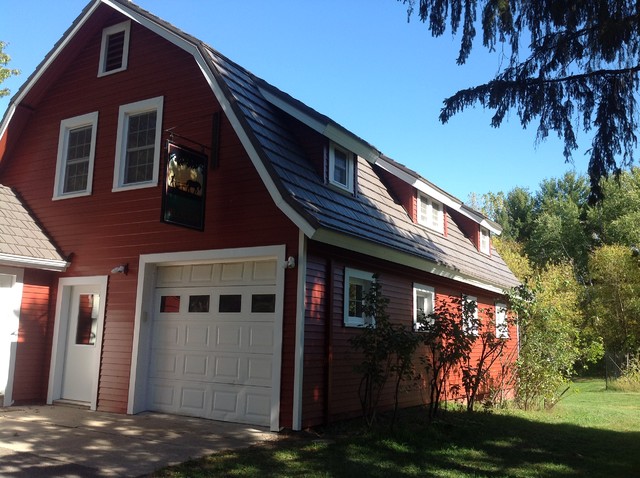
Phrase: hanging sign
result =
(184, 191)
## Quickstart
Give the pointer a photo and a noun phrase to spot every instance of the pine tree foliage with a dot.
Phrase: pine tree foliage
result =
(571, 65)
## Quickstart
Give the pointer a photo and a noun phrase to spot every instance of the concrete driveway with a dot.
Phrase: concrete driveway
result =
(60, 441)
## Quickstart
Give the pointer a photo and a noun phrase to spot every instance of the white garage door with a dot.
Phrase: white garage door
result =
(213, 341)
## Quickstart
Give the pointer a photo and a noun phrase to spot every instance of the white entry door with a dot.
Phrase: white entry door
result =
(82, 350)
(10, 298)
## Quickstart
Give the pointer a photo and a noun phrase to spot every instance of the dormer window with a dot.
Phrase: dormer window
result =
(341, 168)
(114, 52)
(485, 240)
(430, 213)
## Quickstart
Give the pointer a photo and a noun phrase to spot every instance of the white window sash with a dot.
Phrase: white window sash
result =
(67, 126)
(122, 139)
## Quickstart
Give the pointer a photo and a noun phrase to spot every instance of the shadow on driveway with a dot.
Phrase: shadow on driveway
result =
(61, 441)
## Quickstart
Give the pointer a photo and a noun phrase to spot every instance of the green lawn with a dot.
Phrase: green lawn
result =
(591, 432)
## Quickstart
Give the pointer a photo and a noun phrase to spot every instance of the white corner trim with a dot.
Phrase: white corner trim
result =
(298, 374)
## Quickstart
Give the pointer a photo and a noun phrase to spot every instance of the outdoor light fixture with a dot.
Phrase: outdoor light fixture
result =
(121, 269)
(291, 263)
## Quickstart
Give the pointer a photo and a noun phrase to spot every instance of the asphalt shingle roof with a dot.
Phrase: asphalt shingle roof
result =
(20, 234)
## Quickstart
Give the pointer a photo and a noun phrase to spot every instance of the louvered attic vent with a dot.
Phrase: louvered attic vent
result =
(115, 49)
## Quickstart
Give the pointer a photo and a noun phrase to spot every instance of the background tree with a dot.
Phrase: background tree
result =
(579, 70)
(5, 72)
(615, 297)
(553, 336)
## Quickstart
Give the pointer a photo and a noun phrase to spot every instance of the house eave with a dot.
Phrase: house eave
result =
(33, 263)
(379, 251)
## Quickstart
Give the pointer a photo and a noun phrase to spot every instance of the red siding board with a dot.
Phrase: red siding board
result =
(341, 391)
(34, 339)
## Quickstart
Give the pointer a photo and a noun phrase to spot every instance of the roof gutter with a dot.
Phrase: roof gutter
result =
(33, 263)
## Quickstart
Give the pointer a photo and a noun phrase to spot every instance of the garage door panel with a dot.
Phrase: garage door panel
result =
(197, 335)
(196, 367)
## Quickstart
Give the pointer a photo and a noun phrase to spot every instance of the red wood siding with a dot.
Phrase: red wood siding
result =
(35, 333)
(106, 229)
(330, 383)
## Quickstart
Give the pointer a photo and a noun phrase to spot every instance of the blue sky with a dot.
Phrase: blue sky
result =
(356, 61)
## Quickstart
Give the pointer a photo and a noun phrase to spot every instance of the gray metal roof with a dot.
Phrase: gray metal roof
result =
(22, 241)
(371, 214)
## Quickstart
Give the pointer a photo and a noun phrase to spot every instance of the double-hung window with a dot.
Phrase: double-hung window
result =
(137, 161)
(114, 51)
(341, 167)
(356, 285)
(502, 327)
(76, 155)
(430, 213)
(423, 306)
(485, 244)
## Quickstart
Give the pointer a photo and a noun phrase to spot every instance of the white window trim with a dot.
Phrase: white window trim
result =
(428, 220)
(125, 112)
(420, 290)
(485, 241)
(466, 325)
(350, 321)
(350, 168)
(124, 26)
(66, 125)
(502, 332)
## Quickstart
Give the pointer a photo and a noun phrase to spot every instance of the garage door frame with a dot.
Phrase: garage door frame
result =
(145, 307)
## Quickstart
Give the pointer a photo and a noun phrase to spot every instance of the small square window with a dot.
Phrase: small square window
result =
(430, 213)
(485, 240)
(341, 168)
(502, 326)
(356, 286)
(76, 154)
(423, 305)
(170, 304)
(114, 50)
(198, 303)
(230, 303)
(137, 159)
(265, 303)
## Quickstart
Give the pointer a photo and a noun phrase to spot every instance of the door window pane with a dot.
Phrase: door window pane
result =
(230, 303)
(86, 329)
(170, 303)
(198, 303)
(263, 303)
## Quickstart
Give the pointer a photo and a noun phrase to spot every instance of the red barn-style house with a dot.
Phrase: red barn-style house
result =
(198, 243)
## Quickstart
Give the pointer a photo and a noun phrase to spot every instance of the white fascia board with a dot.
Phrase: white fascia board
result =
(33, 263)
(401, 258)
(449, 201)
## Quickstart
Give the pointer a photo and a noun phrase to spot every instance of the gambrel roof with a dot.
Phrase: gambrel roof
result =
(370, 221)
(22, 241)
